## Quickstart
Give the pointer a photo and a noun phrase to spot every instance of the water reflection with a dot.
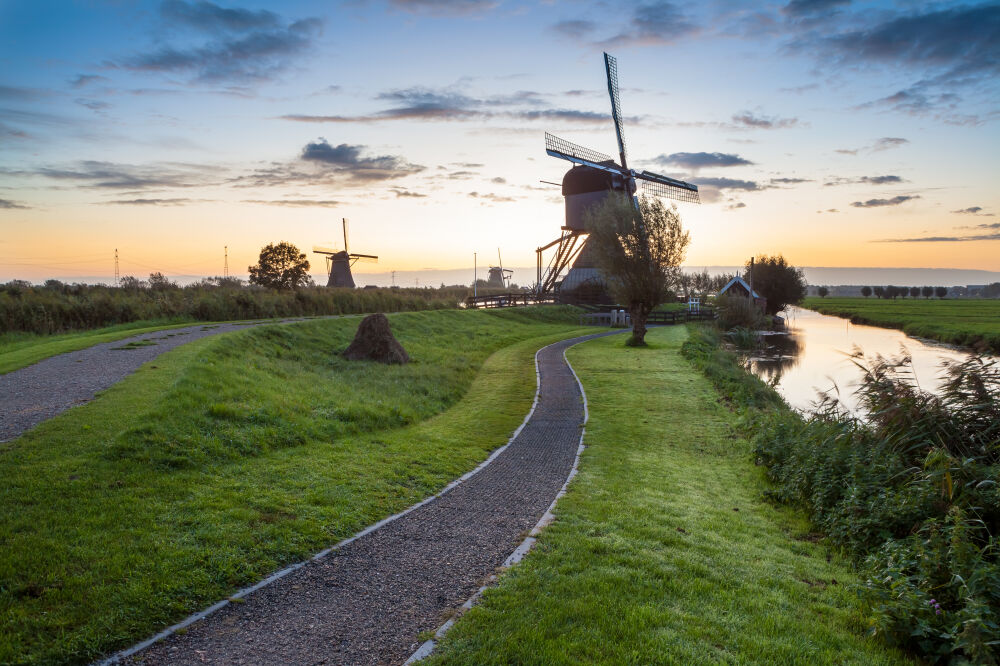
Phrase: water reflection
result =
(799, 371)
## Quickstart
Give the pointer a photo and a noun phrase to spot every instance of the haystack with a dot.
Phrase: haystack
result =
(374, 341)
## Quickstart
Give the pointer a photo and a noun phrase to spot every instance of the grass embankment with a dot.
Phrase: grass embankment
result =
(968, 322)
(227, 458)
(664, 550)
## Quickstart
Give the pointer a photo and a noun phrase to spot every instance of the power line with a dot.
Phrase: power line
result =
(225, 268)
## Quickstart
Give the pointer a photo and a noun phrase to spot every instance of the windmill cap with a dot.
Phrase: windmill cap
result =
(584, 179)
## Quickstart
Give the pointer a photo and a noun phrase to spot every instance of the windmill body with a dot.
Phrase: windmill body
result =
(339, 263)
(593, 178)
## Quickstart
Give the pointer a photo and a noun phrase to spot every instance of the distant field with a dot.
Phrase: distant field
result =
(972, 323)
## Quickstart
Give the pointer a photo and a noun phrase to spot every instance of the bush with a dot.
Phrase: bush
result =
(52, 309)
(736, 311)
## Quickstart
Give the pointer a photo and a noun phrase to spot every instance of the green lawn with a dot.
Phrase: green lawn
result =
(230, 457)
(970, 322)
(663, 550)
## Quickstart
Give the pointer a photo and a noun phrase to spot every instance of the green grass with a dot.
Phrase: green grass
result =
(232, 456)
(663, 550)
(968, 322)
(18, 350)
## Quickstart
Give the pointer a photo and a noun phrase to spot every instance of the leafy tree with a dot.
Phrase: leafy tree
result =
(915, 292)
(778, 281)
(940, 292)
(823, 292)
(866, 291)
(639, 253)
(159, 281)
(281, 266)
(927, 292)
(878, 291)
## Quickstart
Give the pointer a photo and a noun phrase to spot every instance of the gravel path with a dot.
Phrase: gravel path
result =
(366, 602)
(38, 392)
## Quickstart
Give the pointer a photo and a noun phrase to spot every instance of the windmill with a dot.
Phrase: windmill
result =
(593, 176)
(339, 262)
(498, 275)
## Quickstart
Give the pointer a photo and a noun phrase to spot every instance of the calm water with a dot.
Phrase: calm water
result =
(815, 357)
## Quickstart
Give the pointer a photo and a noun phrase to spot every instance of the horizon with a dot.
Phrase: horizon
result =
(830, 132)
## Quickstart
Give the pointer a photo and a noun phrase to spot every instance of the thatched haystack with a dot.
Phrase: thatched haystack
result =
(374, 341)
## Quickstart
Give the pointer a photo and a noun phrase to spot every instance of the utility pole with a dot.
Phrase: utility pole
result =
(117, 275)
(751, 280)
(475, 277)
(393, 278)
(225, 268)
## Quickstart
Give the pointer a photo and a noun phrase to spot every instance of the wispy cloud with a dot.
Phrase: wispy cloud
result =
(695, 161)
(492, 198)
(243, 46)
(942, 239)
(152, 202)
(654, 23)
(296, 203)
(799, 8)
(444, 6)
(865, 180)
(95, 174)
(974, 210)
(750, 120)
(7, 204)
(789, 181)
(575, 29)
(879, 203)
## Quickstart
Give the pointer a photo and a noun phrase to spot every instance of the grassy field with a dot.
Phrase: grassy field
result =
(225, 459)
(663, 550)
(969, 322)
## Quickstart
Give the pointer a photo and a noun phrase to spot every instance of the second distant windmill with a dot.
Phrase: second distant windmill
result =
(339, 262)
(498, 275)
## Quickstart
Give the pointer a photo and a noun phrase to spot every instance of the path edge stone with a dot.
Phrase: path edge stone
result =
(121, 655)
(427, 647)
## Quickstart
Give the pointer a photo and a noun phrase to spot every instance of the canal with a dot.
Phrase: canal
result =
(815, 357)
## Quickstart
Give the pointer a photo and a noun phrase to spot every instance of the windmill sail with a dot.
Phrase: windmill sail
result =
(611, 67)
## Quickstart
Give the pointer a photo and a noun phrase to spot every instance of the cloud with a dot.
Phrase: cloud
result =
(92, 104)
(789, 181)
(7, 204)
(401, 194)
(734, 206)
(151, 202)
(727, 184)
(492, 198)
(210, 18)
(444, 6)
(654, 23)
(94, 174)
(990, 225)
(499, 180)
(20, 94)
(865, 180)
(696, 161)
(878, 203)
(974, 210)
(419, 103)
(942, 239)
(748, 119)
(82, 80)
(321, 163)
(888, 142)
(296, 203)
(798, 8)
(575, 29)
(244, 46)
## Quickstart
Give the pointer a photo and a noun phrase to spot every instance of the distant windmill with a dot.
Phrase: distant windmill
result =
(339, 262)
(498, 275)
(587, 184)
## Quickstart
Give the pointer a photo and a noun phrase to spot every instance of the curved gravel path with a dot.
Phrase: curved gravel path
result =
(367, 601)
(38, 392)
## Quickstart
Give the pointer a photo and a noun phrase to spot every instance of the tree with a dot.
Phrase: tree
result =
(940, 292)
(281, 266)
(639, 252)
(927, 292)
(915, 292)
(823, 292)
(159, 281)
(866, 291)
(879, 292)
(776, 280)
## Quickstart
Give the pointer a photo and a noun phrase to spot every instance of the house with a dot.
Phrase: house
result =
(739, 288)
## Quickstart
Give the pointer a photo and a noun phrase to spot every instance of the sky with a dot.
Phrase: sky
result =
(834, 132)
